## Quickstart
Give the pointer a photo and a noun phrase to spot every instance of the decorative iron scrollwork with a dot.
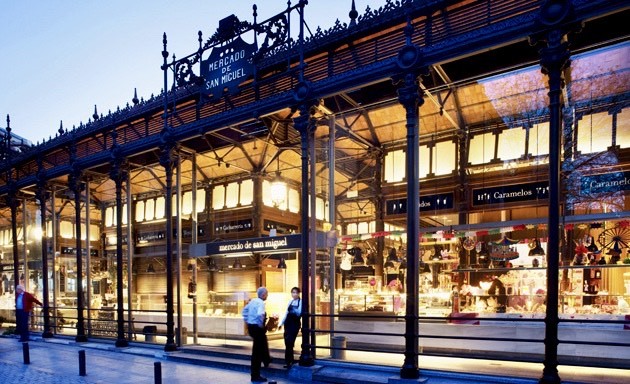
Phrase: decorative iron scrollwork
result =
(276, 31)
(229, 28)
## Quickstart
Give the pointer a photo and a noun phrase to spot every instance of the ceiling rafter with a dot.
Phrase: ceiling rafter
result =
(366, 116)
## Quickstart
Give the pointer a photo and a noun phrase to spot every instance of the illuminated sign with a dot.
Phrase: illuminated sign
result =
(227, 67)
(605, 183)
(511, 193)
(426, 203)
(259, 244)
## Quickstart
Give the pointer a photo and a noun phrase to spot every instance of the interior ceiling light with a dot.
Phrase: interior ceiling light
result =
(278, 188)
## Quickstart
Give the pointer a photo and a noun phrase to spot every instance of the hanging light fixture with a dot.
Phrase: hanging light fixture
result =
(237, 264)
(282, 264)
(278, 188)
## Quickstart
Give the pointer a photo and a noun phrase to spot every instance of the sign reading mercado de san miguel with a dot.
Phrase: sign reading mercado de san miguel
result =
(227, 66)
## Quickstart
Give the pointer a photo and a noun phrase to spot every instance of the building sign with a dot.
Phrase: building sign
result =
(511, 193)
(227, 67)
(427, 203)
(605, 183)
(259, 244)
(234, 226)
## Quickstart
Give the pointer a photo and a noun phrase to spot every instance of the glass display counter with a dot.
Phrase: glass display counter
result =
(361, 304)
(226, 304)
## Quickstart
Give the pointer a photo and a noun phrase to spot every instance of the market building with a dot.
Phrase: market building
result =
(282, 158)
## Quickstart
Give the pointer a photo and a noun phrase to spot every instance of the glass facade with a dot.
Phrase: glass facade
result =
(484, 207)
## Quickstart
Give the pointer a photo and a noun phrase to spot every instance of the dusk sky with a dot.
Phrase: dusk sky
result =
(60, 58)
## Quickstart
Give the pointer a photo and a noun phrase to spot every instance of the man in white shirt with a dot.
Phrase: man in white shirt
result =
(254, 315)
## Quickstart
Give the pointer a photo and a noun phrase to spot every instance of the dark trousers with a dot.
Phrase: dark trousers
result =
(291, 330)
(21, 319)
(260, 349)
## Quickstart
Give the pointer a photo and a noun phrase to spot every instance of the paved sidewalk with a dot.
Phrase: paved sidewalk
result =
(57, 361)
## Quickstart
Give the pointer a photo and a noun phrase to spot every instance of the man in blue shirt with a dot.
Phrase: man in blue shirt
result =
(254, 315)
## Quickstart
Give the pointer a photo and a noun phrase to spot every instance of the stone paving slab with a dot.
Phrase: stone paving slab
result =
(55, 362)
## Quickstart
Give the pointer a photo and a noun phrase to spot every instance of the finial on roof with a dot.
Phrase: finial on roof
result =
(95, 114)
(135, 97)
(60, 130)
(353, 15)
(8, 124)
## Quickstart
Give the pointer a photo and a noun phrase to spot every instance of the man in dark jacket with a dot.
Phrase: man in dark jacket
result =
(23, 306)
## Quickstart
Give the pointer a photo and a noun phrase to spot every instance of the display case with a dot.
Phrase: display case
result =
(228, 304)
(360, 304)
(583, 290)
(435, 303)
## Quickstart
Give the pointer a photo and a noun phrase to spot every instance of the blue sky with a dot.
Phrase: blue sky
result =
(60, 58)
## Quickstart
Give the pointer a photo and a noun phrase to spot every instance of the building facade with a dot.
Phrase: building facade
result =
(283, 159)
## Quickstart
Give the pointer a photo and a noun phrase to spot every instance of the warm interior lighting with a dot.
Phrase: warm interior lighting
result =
(278, 191)
(36, 232)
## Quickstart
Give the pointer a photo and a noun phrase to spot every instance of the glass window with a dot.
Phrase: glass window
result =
(623, 128)
(424, 158)
(594, 132)
(395, 166)
(294, 200)
(218, 197)
(66, 230)
(201, 200)
(320, 208)
(539, 139)
(139, 211)
(124, 214)
(363, 227)
(231, 195)
(511, 144)
(109, 216)
(160, 207)
(247, 192)
(95, 233)
(149, 209)
(266, 193)
(187, 203)
(481, 149)
(444, 156)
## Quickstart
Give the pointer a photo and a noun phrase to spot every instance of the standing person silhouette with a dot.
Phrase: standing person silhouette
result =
(23, 306)
(291, 322)
(255, 316)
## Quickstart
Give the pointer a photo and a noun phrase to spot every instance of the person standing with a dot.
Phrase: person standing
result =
(255, 315)
(292, 323)
(23, 306)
